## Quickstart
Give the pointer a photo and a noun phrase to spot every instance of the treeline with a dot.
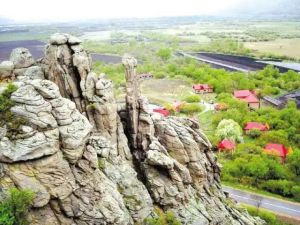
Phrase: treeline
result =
(268, 81)
(161, 64)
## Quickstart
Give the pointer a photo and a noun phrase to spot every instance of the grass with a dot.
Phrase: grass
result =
(205, 121)
(288, 47)
(163, 91)
(270, 217)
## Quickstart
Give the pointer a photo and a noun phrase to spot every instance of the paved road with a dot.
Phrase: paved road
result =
(225, 65)
(276, 205)
(237, 63)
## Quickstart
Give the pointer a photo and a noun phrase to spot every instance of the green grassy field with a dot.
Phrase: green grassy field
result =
(288, 47)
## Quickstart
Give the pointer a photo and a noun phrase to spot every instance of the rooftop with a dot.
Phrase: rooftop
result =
(256, 125)
(276, 149)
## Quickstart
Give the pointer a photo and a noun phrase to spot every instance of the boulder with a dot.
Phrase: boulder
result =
(58, 39)
(6, 69)
(34, 72)
(72, 40)
(21, 58)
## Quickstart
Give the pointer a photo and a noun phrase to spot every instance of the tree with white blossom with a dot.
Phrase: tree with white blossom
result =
(229, 129)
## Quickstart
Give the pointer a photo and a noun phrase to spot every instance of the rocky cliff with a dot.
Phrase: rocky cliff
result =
(90, 161)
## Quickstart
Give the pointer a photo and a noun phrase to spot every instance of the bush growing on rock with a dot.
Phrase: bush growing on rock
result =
(162, 218)
(5, 102)
(6, 116)
(14, 208)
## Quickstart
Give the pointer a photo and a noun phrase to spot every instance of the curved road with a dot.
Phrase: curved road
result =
(273, 204)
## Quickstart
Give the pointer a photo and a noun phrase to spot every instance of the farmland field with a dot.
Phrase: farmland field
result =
(165, 90)
(289, 47)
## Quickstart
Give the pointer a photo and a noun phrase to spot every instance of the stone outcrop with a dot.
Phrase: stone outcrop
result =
(20, 66)
(89, 161)
(21, 58)
(6, 69)
(66, 65)
(179, 168)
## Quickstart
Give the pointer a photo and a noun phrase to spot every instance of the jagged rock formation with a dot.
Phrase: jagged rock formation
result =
(74, 154)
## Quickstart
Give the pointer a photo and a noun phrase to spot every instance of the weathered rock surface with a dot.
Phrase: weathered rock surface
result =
(21, 58)
(6, 69)
(180, 170)
(74, 154)
(67, 65)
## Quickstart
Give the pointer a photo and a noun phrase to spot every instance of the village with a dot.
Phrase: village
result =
(250, 127)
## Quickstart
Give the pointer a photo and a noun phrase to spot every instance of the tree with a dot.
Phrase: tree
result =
(254, 133)
(274, 136)
(229, 129)
(164, 53)
(293, 162)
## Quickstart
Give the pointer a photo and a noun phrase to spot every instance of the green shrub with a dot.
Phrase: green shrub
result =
(254, 133)
(162, 218)
(164, 53)
(191, 108)
(159, 75)
(6, 103)
(281, 187)
(296, 192)
(267, 216)
(192, 98)
(6, 116)
(13, 209)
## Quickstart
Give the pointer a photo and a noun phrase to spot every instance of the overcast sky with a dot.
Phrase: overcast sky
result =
(68, 10)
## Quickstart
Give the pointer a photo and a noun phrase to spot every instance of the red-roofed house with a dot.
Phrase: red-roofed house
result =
(255, 125)
(162, 111)
(202, 88)
(249, 97)
(226, 144)
(276, 149)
